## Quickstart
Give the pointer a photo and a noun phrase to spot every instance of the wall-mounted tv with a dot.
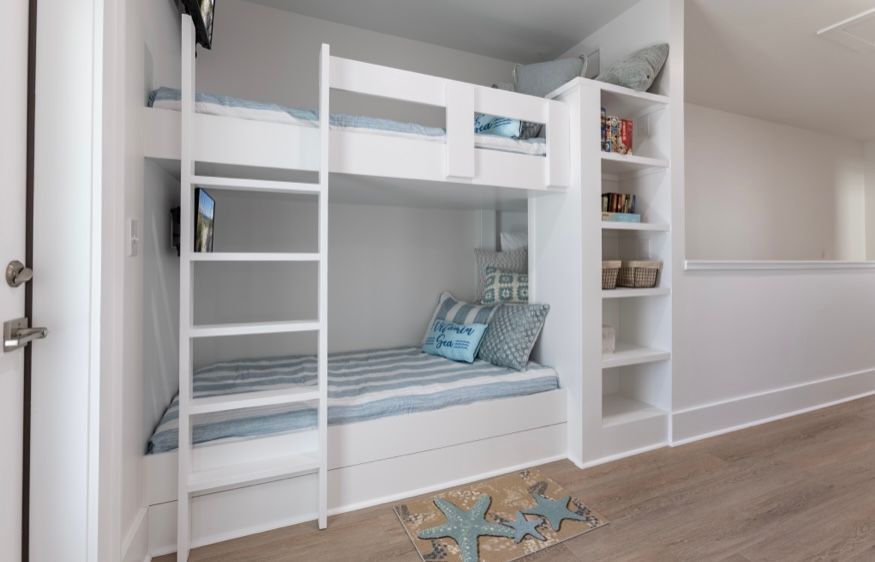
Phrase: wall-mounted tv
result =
(201, 12)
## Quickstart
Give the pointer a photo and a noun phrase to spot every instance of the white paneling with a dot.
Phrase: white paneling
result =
(151, 57)
(270, 55)
(160, 299)
(386, 263)
(761, 190)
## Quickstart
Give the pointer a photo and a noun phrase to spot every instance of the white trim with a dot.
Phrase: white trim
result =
(774, 265)
(763, 407)
(620, 456)
(137, 526)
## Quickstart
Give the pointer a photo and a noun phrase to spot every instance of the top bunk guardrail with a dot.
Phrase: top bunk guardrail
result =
(460, 156)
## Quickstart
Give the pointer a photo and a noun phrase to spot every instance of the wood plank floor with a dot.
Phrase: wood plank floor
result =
(797, 489)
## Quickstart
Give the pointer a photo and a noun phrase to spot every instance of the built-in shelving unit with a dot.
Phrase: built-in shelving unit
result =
(635, 380)
(625, 395)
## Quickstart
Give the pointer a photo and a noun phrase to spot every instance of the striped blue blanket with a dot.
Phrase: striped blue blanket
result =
(362, 385)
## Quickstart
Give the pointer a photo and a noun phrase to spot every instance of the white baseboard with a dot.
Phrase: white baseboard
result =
(717, 418)
(135, 545)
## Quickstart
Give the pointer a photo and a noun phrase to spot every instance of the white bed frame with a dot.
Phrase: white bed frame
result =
(370, 463)
(387, 459)
(241, 142)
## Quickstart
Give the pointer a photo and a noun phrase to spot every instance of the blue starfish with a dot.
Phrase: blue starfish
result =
(554, 510)
(465, 527)
(522, 527)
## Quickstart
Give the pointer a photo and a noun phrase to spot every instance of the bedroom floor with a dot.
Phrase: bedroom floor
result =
(796, 489)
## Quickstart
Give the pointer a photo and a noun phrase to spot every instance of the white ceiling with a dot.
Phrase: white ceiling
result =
(764, 59)
(515, 30)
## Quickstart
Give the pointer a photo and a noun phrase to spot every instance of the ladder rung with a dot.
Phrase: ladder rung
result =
(253, 328)
(240, 184)
(253, 256)
(228, 402)
(232, 475)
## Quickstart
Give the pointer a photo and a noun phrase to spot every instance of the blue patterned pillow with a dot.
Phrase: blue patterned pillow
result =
(498, 126)
(505, 286)
(512, 335)
(459, 312)
(459, 342)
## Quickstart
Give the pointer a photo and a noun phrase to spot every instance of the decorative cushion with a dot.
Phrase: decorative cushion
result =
(458, 312)
(514, 241)
(540, 79)
(499, 126)
(505, 286)
(514, 261)
(639, 70)
(512, 335)
(458, 342)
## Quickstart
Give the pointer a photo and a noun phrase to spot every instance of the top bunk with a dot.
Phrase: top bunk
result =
(240, 133)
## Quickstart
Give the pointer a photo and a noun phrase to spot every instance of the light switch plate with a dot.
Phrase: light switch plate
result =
(133, 238)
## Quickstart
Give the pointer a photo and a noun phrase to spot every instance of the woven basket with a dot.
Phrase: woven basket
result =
(610, 271)
(639, 274)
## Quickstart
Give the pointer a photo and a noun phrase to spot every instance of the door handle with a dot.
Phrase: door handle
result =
(17, 334)
(17, 274)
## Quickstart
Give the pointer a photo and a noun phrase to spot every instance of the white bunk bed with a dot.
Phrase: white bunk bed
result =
(343, 467)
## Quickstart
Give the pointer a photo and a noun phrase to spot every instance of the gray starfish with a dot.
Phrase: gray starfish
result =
(554, 510)
(522, 527)
(465, 527)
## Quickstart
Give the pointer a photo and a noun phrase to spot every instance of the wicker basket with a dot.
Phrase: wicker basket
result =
(610, 271)
(640, 274)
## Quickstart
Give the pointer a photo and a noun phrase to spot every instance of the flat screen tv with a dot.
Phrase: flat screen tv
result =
(201, 12)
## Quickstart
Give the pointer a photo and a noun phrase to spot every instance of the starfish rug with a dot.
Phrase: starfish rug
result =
(497, 520)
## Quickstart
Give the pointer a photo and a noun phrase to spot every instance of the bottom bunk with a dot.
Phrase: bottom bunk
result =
(415, 423)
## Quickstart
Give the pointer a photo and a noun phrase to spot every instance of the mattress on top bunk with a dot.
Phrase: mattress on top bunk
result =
(362, 386)
(210, 104)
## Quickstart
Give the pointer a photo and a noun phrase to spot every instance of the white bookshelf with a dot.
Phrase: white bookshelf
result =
(622, 401)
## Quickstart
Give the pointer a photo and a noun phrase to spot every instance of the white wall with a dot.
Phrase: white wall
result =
(151, 55)
(271, 55)
(762, 190)
(645, 24)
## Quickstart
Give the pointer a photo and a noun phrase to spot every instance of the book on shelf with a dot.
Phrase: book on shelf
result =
(621, 217)
(619, 203)
(617, 134)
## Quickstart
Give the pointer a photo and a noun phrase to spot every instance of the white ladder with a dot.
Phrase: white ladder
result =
(193, 482)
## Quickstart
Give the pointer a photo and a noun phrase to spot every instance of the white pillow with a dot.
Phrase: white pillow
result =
(514, 241)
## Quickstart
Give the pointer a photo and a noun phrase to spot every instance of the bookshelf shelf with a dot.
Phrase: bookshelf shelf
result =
(631, 354)
(618, 409)
(635, 293)
(635, 226)
(623, 101)
(615, 164)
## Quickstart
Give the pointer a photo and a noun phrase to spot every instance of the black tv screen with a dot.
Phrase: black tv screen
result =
(201, 12)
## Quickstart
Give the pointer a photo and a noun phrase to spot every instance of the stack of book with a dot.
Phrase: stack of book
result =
(620, 207)
(616, 134)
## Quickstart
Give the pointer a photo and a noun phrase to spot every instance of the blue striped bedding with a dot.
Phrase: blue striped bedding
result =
(211, 104)
(362, 386)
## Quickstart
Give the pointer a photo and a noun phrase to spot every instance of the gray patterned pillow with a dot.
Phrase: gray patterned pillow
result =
(512, 334)
(504, 286)
(639, 70)
(514, 261)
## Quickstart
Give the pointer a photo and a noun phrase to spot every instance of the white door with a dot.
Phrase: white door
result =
(13, 151)
(62, 520)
